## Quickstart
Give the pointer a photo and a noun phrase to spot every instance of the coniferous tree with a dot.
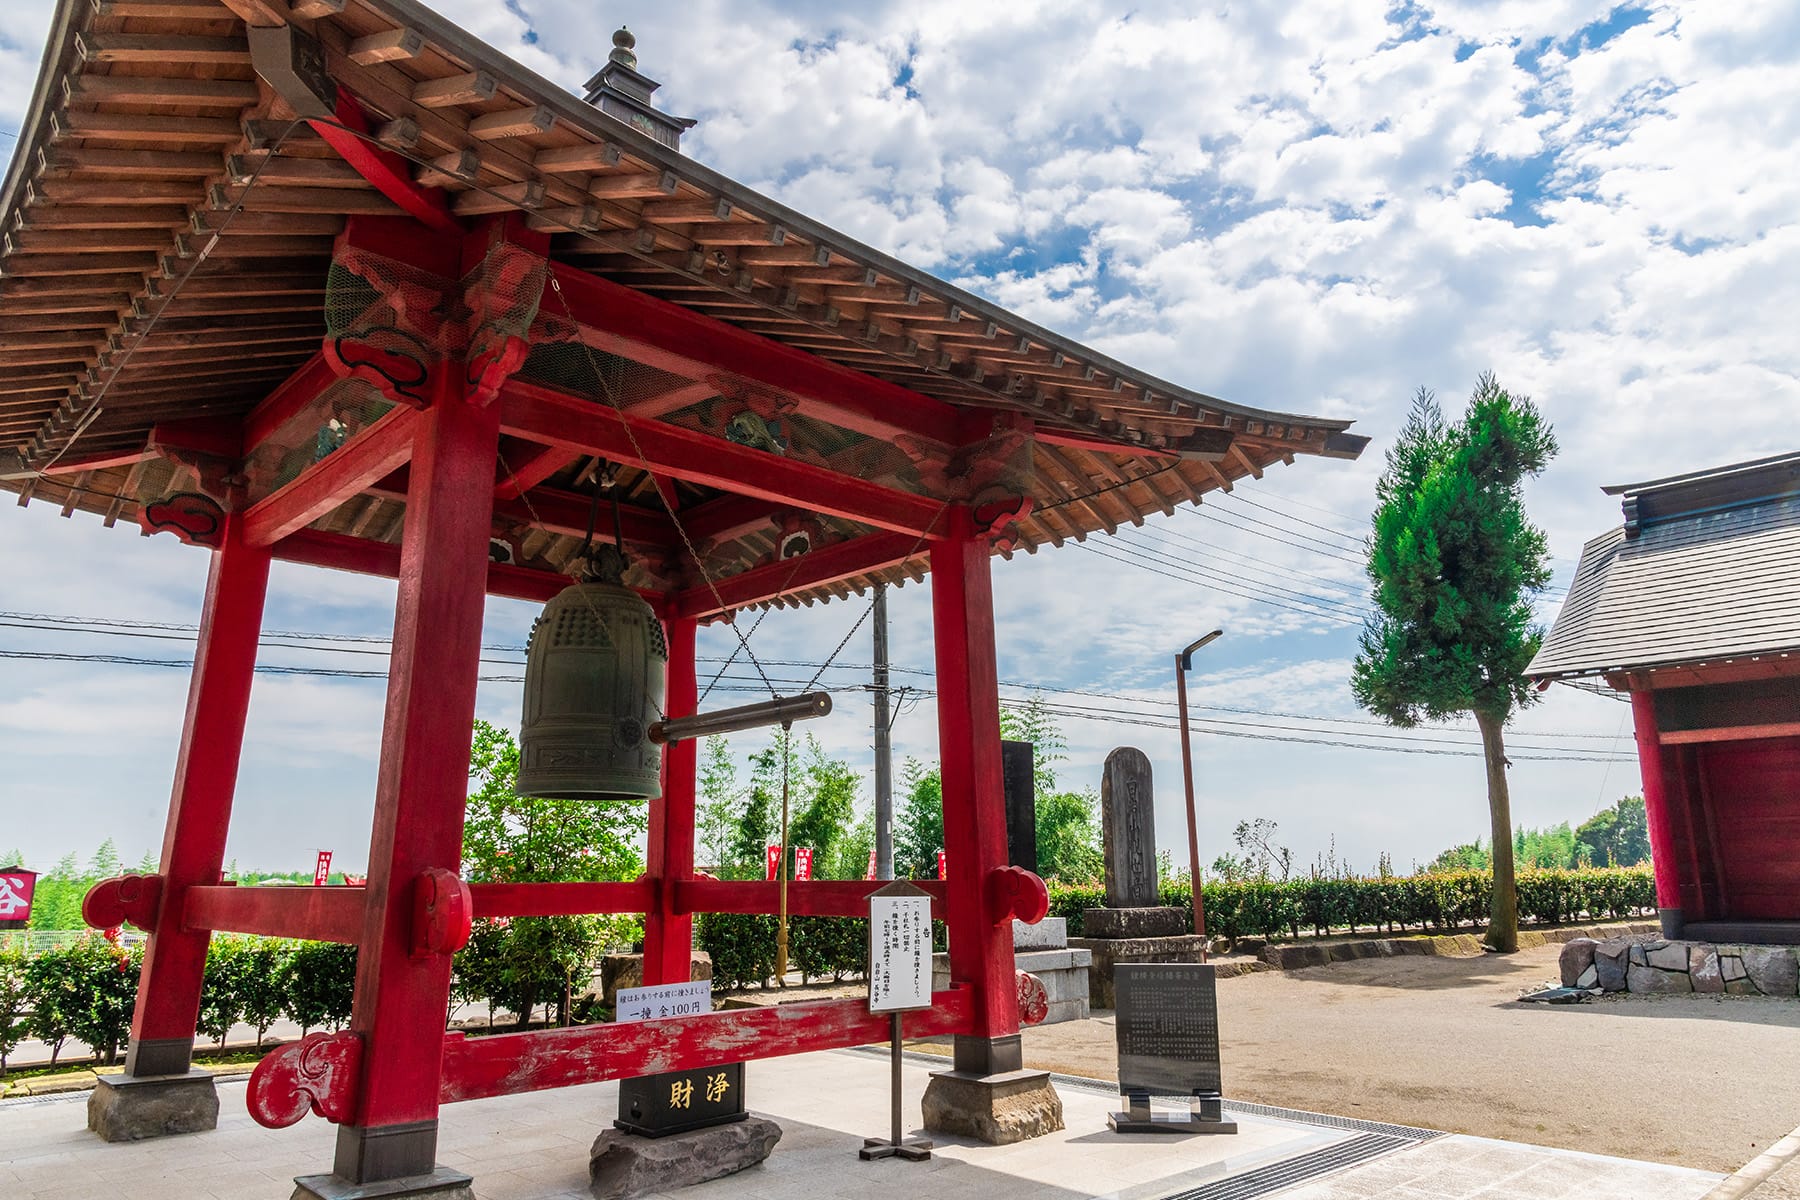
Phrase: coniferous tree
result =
(1455, 563)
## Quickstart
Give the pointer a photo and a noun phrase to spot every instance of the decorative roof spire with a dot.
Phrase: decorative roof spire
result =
(623, 44)
(622, 92)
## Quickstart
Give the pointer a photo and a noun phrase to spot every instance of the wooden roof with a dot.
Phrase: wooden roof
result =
(1705, 570)
(169, 228)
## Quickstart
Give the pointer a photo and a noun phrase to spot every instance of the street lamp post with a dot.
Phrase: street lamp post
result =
(1184, 662)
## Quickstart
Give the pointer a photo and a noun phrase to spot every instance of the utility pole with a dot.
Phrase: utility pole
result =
(884, 749)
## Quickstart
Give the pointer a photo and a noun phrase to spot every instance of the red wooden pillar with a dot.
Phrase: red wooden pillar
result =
(669, 848)
(402, 991)
(981, 952)
(1664, 859)
(212, 740)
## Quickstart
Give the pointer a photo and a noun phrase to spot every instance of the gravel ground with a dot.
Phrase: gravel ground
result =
(1699, 1081)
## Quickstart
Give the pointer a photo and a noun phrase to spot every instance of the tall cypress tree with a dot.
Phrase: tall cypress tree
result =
(1455, 563)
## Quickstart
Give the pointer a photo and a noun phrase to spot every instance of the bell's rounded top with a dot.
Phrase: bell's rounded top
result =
(623, 45)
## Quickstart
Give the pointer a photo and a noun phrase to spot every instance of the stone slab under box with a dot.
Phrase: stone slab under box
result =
(129, 1108)
(1051, 933)
(1133, 922)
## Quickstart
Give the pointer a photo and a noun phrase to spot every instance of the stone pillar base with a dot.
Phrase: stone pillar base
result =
(997, 1109)
(1670, 919)
(441, 1184)
(129, 1108)
(622, 1165)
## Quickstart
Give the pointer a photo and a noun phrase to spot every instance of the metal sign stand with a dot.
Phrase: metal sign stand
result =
(898, 905)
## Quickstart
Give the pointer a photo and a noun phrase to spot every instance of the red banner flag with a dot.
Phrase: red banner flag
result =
(870, 873)
(16, 888)
(802, 863)
(773, 857)
(941, 874)
(322, 871)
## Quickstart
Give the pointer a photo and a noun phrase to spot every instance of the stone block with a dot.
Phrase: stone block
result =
(1652, 981)
(1577, 956)
(1731, 965)
(996, 1109)
(441, 1184)
(1589, 978)
(129, 1108)
(1133, 922)
(1667, 956)
(1051, 933)
(1107, 952)
(1703, 969)
(622, 1165)
(1773, 969)
(1610, 962)
(627, 970)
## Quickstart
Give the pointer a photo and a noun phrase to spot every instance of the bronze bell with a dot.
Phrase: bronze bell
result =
(594, 677)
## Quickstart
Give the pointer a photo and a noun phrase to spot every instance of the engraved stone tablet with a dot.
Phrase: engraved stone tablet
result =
(1168, 1037)
(1128, 827)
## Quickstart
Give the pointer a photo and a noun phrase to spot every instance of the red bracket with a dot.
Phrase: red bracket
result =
(999, 520)
(443, 913)
(1015, 893)
(316, 1074)
(194, 518)
(112, 902)
(1034, 999)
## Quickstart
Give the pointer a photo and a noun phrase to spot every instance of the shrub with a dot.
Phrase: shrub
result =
(742, 946)
(221, 1003)
(107, 978)
(55, 997)
(834, 946)
(15, 1017)
(319, 980)
(262, 983)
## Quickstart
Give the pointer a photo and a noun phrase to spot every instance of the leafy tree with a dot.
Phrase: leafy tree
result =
(827, 808)
(1544, 849)
(508, 838)
(56, 904)
(1470, 856)
(263, 983)
(15, 1025)
(1616, 837)
(106, 975)
(1068, 837)
(720, 798)
(56, 998)
(105, 864)
(1455, 563)
(221, 1005)
(1262, 855)
(756, 830)
(320, 983)
(850, 858)
(919, 821)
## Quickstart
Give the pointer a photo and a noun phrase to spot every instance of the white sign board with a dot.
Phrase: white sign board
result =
(899, 953)
(662, 1001)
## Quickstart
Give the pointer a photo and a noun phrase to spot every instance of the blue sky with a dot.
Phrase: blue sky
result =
(1313, 207)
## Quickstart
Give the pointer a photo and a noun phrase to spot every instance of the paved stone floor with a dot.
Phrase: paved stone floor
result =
(534, 1147)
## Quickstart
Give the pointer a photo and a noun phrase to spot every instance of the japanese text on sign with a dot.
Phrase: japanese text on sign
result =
(663, 1001)
(899, 953)
(322, 869)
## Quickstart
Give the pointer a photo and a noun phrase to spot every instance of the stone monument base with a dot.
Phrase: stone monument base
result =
(441, 1184)
(998, 1109)
(1109, 952)
(129, 1108)
(1118, 923)
(622, 1165)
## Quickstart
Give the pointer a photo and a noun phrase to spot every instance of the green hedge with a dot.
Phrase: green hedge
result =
(1442, 900)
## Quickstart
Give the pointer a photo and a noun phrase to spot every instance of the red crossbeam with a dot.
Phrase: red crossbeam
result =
(811, 898)
(340, 552)
(559, 899)
(318, 914)
(827, 564)
(556, 511)
(375, 452)
(390, 174)
(505, 1064)
(727, 518)
(556, 418)
(671, 338)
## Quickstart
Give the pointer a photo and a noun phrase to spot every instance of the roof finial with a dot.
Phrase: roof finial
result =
(623, 43)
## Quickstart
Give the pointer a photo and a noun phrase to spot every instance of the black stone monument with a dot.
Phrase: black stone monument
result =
(1168, 1036)
(1018, 771)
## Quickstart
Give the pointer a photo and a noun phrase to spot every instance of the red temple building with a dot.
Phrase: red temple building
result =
(332, 282)
(1693, 607)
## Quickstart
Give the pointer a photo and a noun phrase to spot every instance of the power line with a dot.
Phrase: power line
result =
(1354, 539)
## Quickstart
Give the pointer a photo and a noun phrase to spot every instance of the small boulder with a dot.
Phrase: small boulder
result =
(1703, 969)
(1651, 981)
(1667, 956)
(622, 1165)
(1773, 969)
(1589, 978)
(1609, 965)
(1576, 958)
